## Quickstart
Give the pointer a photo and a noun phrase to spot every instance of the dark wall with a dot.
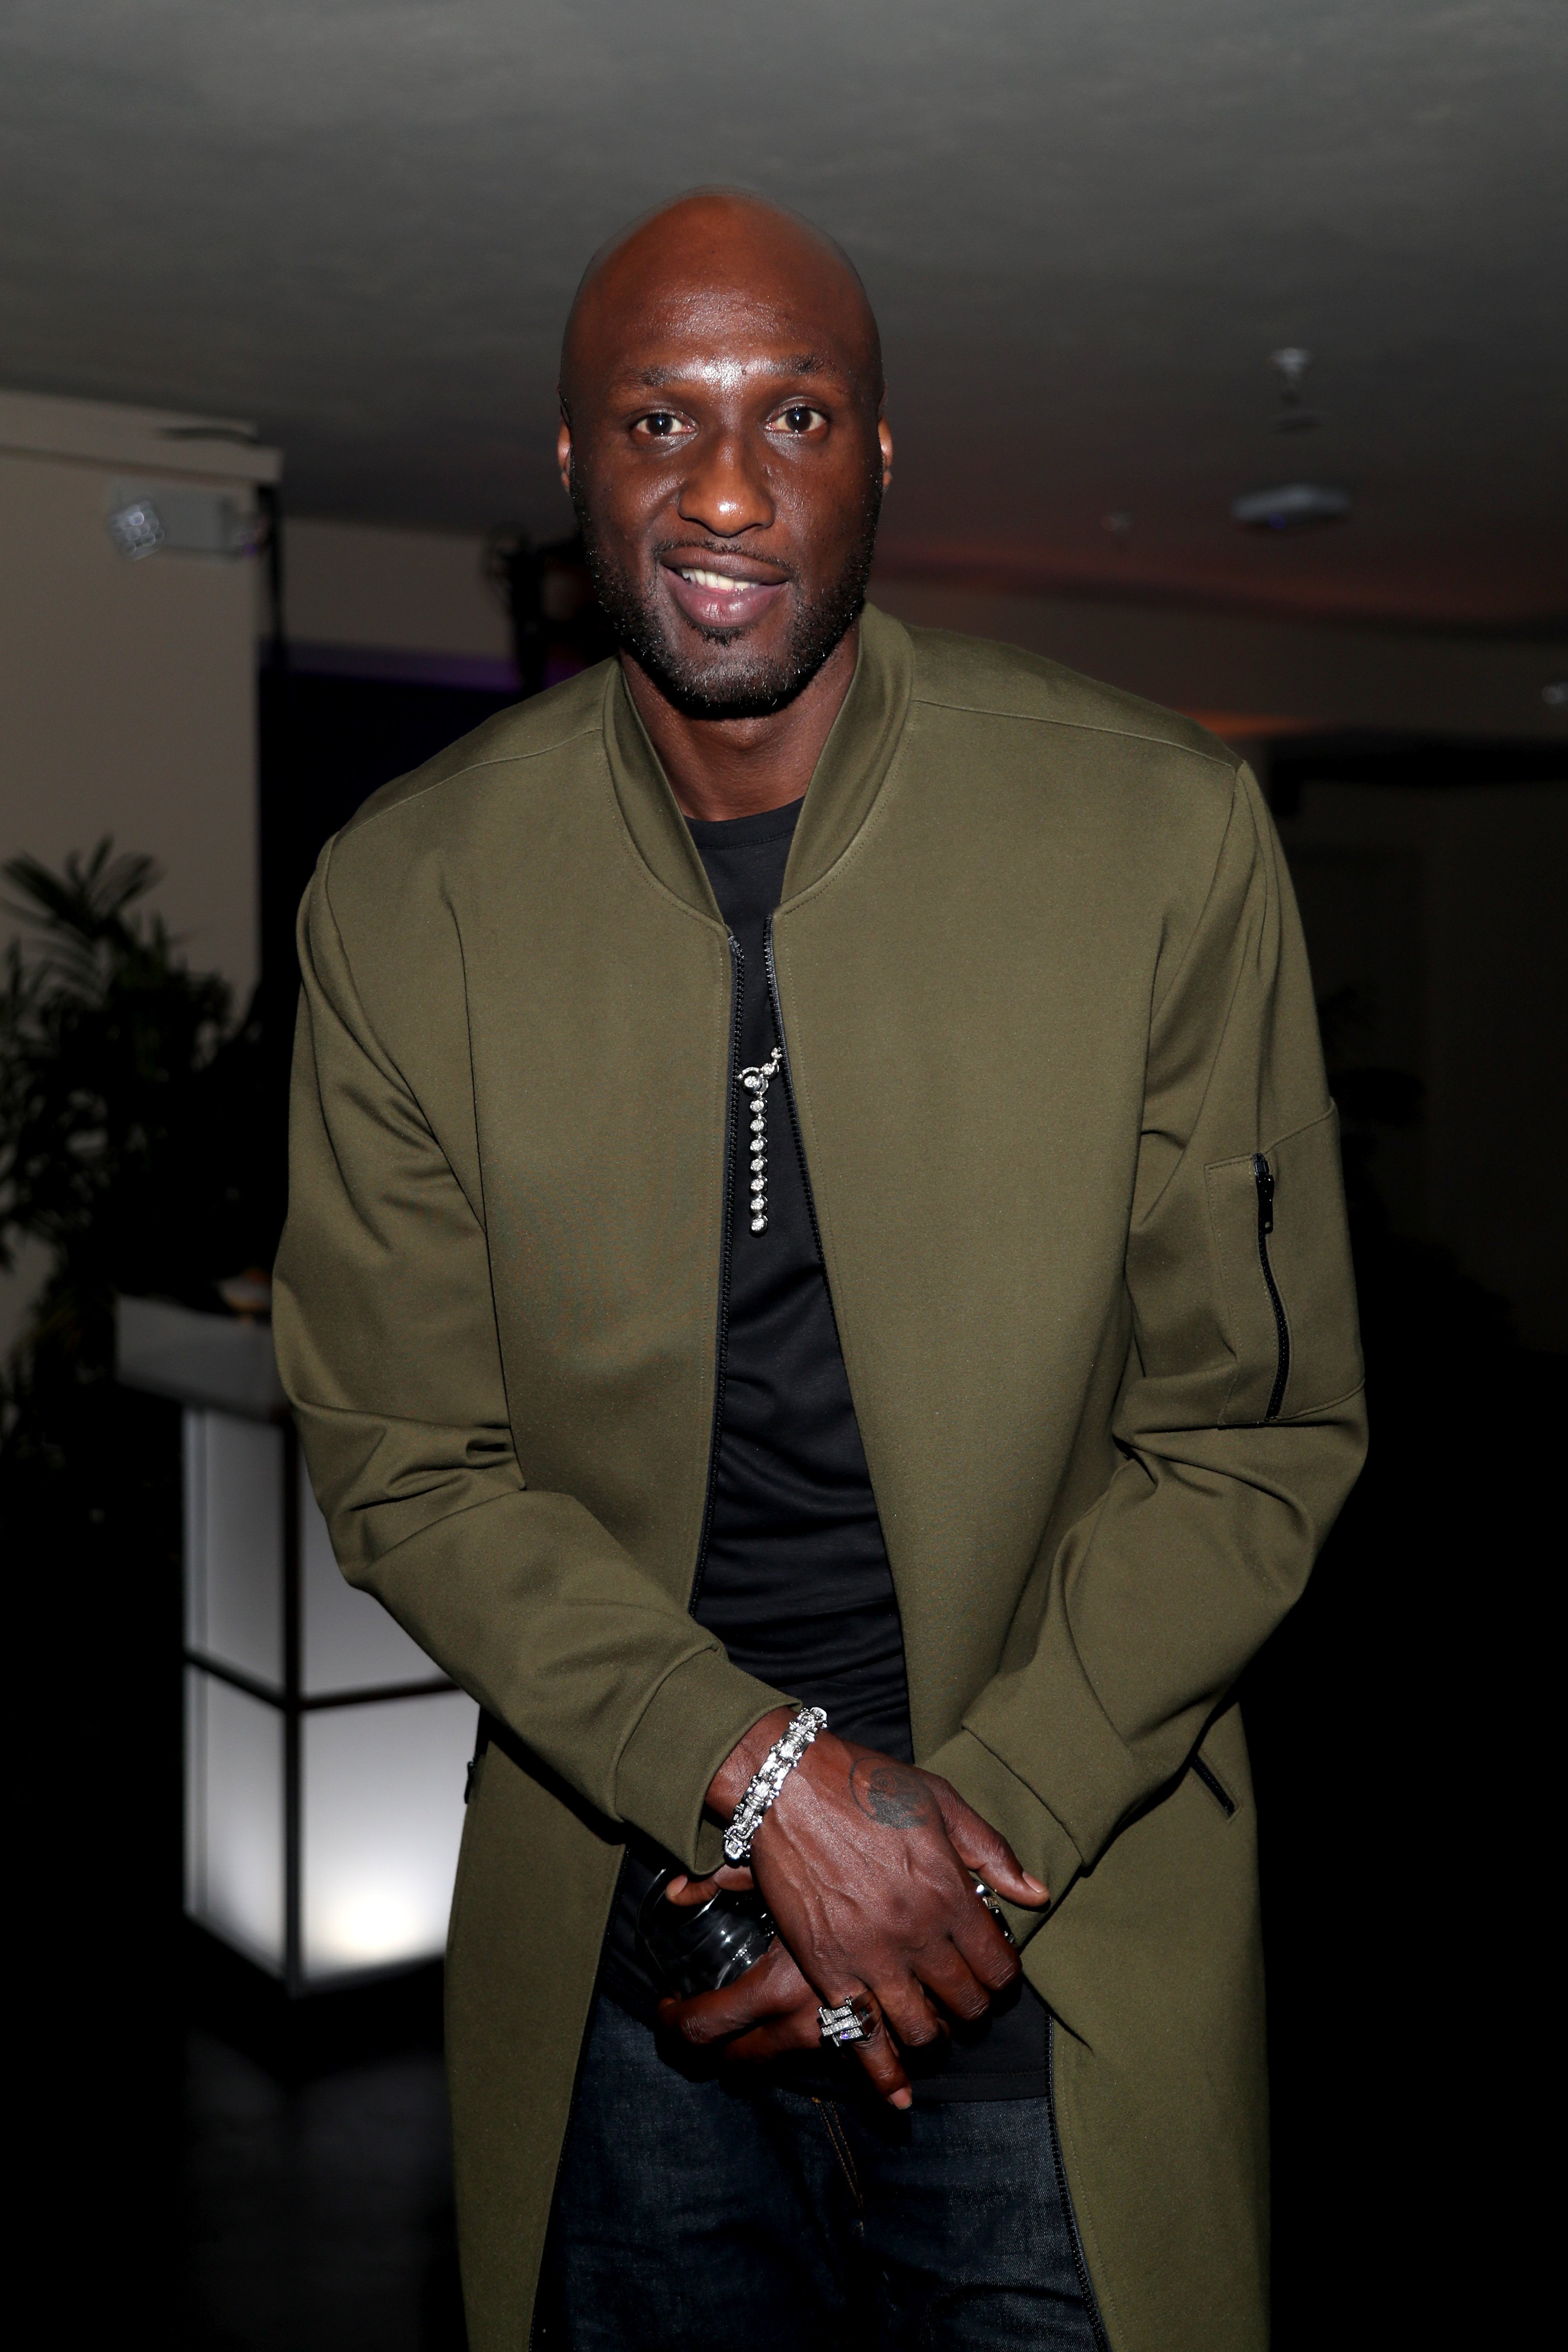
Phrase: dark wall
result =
(327, 743)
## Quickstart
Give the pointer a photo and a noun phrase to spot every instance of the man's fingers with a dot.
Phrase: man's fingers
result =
(782, 2038)
(978, 1934)
(880, 2060)
(769, 1989)
(985, 1941)
(771, 2010)
(685, 1891)
(802, 2030)
(909, 2013)
(945, 1970)
(875, 2054)
(983, 1850)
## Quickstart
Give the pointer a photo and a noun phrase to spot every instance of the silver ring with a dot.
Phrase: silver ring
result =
(988, 1896)
(850, 2021)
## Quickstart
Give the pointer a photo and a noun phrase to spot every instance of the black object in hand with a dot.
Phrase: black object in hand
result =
(697, 1947)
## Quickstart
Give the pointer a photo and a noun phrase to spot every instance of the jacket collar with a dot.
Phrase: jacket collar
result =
(843, 790)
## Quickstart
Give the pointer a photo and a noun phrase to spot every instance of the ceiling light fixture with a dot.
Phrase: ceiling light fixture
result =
(137, 530)
(1293, 506)
(178, 518)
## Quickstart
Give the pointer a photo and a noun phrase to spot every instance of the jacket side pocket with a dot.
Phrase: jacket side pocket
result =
(1279, 1228)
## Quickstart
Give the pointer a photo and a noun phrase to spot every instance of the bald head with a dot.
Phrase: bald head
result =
(722, 442)
(704, 253)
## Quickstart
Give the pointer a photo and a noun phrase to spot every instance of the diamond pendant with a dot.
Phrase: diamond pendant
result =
(755, 1082)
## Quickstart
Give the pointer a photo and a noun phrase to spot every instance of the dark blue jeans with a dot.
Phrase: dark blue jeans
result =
(695, 2216)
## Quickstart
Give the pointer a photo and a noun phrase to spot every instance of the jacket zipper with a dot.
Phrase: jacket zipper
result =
(1085, 2283)
(720, 1350)
(726, 1249)
(789, 1098)
(1263, 1177)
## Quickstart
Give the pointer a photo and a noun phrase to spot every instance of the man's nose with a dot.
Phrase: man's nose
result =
(726, 490)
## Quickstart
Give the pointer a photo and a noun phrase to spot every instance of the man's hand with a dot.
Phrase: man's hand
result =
(865, 1864)
(771, 2010)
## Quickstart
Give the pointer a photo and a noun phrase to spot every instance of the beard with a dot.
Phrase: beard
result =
(715, 672)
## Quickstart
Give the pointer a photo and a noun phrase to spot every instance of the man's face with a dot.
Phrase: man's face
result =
(725, 457)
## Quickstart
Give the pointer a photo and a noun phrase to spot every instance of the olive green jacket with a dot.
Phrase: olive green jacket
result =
(1051, 1040)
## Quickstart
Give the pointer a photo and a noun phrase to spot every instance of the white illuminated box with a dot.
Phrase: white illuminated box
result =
(325, 1756)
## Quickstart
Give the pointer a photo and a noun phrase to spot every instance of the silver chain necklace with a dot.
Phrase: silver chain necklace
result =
(755, 1081)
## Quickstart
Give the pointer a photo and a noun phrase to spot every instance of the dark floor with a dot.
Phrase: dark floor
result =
(316, 2179)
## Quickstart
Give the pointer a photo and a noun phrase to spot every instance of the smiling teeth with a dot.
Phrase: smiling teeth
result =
(718, 580)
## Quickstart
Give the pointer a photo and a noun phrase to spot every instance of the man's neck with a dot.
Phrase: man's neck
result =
(721, 768)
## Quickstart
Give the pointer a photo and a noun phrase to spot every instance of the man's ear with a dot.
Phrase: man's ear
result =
(564, 449)
(886, 440)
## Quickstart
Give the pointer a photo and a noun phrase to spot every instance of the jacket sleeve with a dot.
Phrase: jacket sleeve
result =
(1240, 1422)
(388, 1349)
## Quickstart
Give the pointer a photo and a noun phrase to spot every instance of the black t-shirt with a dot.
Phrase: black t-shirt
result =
(794, 1580)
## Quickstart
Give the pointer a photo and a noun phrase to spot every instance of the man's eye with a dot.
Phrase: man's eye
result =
(660, 425)
(799, 418)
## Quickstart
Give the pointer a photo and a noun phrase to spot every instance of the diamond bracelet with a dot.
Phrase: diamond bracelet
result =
(768, 1779)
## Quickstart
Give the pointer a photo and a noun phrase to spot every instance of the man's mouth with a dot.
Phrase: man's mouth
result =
(701, 579)
(723, 595)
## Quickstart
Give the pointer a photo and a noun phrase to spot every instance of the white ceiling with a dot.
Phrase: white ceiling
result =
(1086, 224)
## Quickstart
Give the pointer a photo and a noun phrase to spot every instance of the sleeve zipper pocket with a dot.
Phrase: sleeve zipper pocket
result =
(1215, 1787)
(1263, 1177)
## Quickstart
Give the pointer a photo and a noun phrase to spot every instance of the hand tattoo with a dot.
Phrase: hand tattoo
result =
(891, 1794)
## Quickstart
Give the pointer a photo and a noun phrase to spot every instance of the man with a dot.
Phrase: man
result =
(927, 1302)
